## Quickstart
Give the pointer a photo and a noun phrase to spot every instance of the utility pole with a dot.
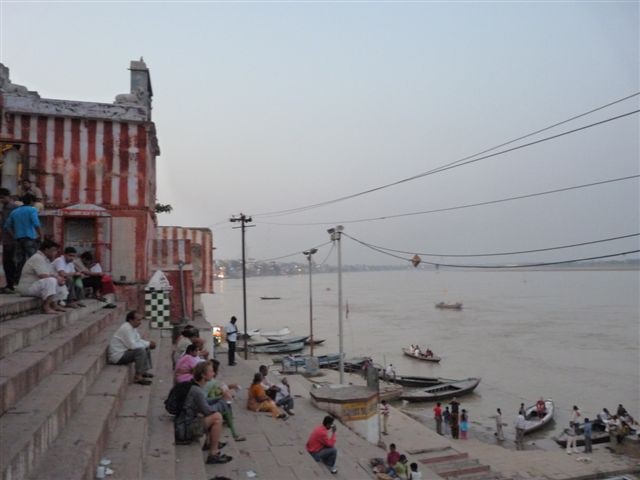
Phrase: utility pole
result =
(309, 254)
(244, 220)
(335, 234)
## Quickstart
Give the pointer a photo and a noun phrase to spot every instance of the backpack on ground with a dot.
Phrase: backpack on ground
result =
(177, 396)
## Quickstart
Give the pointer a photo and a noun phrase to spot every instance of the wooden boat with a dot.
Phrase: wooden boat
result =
(449, 306)
(424, 358)
(353, 364)
(316, 341)
(249, 333)
(283, 332)
(533, 422)
(444, 389)
(270, 298)
(411, 381)
(300, 360)
(301, 338)
(390, 392)
(598, 435)
(278, 348)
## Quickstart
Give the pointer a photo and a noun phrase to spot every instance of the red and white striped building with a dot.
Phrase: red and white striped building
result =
(87, 156)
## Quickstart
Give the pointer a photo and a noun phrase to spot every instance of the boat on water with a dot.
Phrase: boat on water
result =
(300, 338)
(270, 298)
(278, 348)
(533, 421)
(443, 388)
(449, 306)
(420, 356)
(300, 360)
(316, 341)
(598, 435)
(283, 332)
(249, 333)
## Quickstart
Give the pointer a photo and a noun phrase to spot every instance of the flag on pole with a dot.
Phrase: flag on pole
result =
(347, 309)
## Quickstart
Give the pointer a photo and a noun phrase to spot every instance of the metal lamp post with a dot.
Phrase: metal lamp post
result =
(309, 254)
(335, 234)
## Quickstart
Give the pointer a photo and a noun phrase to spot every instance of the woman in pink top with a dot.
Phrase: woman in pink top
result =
(185, 364)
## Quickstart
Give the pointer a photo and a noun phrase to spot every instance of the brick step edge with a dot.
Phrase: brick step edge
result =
(23, 332)
(77, 451)
(49, 354)
(43, 422)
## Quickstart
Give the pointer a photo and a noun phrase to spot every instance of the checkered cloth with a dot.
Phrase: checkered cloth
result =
(157, 308)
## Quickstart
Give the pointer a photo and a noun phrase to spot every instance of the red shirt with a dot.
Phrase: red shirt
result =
(437, 412)
(393, 457)
(320, 439)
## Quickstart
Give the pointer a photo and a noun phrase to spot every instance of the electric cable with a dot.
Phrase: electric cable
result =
(611, 239)
(458, 163)
(524, 265)
(289, 255)
(333, 246)
(459, 207)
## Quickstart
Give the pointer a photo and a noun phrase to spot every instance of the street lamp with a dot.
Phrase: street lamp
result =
(335, 234)
(309, 254)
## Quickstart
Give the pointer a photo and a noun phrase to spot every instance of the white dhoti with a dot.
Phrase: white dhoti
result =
(45, 288)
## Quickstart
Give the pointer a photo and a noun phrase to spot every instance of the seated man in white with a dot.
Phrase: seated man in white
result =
(65, 267)
(39, 279)
(127, 346)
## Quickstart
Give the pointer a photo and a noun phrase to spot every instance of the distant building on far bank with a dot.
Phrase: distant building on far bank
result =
(96, 166)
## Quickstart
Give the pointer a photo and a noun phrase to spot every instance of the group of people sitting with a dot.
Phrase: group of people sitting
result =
(619, 424)
(36, 267)
(418, 352)
(396, 466)
(265, 396)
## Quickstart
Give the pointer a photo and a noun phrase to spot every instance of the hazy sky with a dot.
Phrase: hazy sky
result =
(262, 107)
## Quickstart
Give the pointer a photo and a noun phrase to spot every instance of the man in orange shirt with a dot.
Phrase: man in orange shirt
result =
(321, 446)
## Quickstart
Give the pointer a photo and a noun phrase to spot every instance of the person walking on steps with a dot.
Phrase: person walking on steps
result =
(232, 336)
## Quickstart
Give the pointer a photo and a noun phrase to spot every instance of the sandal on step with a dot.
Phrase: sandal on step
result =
(206, 446)
(143, 381)
(239, 438)
(219, 458)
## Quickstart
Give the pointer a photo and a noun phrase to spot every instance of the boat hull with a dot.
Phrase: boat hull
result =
(433, 358)
(533, 422)
(446, 389)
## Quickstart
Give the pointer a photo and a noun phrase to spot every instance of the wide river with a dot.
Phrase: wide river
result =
(572, 336)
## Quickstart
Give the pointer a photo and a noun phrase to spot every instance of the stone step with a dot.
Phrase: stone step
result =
(23, 370)
(12, 306)
(77, 451)
(28, 429)
(160, 461)
(459, 468)
(127, 445)
(20, 333)
(444, 457)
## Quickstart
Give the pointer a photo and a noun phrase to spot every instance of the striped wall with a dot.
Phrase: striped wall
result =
(167, 254)
(201, 253)
(79, 160)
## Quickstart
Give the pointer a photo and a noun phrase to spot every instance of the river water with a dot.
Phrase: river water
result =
(572, 336)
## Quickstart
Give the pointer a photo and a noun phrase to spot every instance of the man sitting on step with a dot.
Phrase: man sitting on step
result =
(127, 346)
(39, 279)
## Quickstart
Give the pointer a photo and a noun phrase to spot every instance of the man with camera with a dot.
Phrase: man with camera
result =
(321, 445)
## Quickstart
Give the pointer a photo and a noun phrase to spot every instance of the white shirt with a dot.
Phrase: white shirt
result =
(60, 264)
(390, 371)
(521, 423)
(232, 332)
(125, 338)
(35, 266)
(283, 392)
(96, 268)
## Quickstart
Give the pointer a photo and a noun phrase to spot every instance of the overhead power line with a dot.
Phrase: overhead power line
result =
(459, 207)
(494, 267)
(466, 160)
(547, 249)
(288, 255)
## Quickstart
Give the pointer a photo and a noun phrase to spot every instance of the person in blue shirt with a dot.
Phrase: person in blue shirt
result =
(587, 429)
(24, 226)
